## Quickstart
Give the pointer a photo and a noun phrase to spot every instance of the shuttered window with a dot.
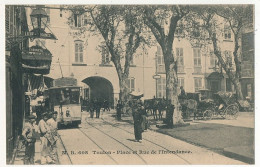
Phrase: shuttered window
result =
(130, 82)
(79, 51)
(161, 87)
(7, 19)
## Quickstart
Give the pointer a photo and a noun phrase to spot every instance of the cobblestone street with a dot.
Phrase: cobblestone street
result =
(107, 141)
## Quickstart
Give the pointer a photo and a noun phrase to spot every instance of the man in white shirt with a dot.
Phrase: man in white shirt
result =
(45, 144)
(52, 123)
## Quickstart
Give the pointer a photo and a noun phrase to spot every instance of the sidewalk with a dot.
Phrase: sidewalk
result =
(21, 153)
(226, 137)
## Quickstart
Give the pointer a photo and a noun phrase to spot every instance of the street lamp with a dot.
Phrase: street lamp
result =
(39, 20)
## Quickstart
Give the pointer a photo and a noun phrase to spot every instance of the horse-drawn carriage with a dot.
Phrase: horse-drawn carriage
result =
(206, 105)
(225, 106)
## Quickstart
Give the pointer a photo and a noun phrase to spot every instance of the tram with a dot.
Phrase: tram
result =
(64, 98)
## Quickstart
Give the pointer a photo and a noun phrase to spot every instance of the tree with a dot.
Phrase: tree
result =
(236, 17)
(121, 29)
(164, 34)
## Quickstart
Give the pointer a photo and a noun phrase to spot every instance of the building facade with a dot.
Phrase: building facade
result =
(15, 30)
(79, 55)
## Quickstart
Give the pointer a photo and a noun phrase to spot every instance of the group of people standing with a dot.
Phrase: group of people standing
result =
(94, 106)
(47, 130)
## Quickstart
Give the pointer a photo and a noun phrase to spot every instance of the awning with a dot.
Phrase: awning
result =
(37, 60)
(215, 75)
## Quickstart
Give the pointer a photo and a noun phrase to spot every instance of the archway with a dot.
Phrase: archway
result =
(214, 81)
(100, 89)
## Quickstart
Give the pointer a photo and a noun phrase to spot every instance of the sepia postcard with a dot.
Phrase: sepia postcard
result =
(123, 84)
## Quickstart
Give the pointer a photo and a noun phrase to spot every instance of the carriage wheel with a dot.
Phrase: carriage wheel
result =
(232, 111)
(207, 114)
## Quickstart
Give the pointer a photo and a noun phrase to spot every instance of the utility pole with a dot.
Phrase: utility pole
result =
(60, 68)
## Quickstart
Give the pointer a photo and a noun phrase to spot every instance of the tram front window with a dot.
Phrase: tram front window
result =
(66, 96)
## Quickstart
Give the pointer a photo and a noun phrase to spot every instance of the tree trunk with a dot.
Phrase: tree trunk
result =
(171, 90)
(238, 89)
(123, 95)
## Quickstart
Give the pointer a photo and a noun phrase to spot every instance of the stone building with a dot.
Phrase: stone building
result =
(81, 57)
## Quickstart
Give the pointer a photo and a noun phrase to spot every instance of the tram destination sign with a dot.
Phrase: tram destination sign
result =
(65, 81)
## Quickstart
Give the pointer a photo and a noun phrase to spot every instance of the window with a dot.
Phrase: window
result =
(227, 32)
(161, 87)
(78, 51)
(160, 61)
(197, 57)
(78, 20)
(213, 59)
(179, 54)
(7, 18)
(105, 55)
(197, 60)
(130, 82)
(180, 83)
(179, 29)
(197, 84)
(11, 21)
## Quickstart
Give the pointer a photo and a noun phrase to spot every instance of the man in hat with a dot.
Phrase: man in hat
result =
(29, 140)
(53, 125)
(137, 107)
(45, 145)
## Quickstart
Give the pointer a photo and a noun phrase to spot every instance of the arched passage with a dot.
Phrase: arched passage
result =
(100, 89)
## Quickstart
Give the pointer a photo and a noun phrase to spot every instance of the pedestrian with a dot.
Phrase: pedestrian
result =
(97, 108)
(29, 140)
(137, 120)
(92, 108)
(87, 103)
(155, 108)
(144, 123)
(81, 103)
(119, 107)
(45, 137)
(53, 125)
